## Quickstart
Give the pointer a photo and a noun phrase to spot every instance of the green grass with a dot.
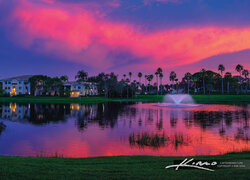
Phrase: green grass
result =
(54, 99)
(207, 99)
(120, 167)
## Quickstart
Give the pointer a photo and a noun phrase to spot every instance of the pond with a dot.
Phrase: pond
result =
(122, 128)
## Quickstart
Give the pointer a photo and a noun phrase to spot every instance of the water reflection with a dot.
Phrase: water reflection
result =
(75, 130)
(157, 140)
(2, 127)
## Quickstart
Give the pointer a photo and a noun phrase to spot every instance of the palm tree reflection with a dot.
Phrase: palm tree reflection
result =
(158, 140)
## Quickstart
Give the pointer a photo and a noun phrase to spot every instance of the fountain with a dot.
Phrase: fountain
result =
(178, 101)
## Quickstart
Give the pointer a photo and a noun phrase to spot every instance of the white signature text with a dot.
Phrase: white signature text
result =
(190, 163)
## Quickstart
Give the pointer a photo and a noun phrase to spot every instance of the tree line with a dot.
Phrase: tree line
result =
(201, 82)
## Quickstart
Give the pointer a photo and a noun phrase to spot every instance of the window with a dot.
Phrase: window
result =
(6, 88)
(6, 82)
(20, 82)
(9, 82)
(79, 87)
(20, 88)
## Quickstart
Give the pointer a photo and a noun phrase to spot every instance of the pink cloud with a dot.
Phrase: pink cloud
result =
(83, 36)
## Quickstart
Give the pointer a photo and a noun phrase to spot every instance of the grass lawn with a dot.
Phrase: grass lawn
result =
(206, 99)
(55, 99)
(120, 167)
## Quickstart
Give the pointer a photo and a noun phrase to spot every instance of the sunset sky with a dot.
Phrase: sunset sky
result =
(57, 37)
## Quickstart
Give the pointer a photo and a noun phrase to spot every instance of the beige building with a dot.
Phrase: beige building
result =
(16, 85)
(81, 88)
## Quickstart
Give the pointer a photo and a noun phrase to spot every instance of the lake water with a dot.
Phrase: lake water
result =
(111, 129)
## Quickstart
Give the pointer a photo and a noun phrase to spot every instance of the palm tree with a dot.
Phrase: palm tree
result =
(157, 74)
(245, 73)
(176, 84)
(130, 75)
(127, 81)
(161, 76)
(188, 77)
(239, 68)
(203, 75)
(159, 70)
(124, 76)
(81, 76)
(228, 76)
(172, 76)
(150, 78)
(146, 78)
(140, 75)
(195, 80)
(221, 68)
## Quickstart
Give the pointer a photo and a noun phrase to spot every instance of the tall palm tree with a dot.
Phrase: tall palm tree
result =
(81, 75)
(239, 69)
(130, 75)
(161, 76)
(140, 75)
(172, 76)
(127, 81)
(245, 73)
(188, 77)
(203, 75)
(150, 78)
(124, 76)
(146, 84)
(157, 74)
(228, 76)
(195, 80)
(221, 68)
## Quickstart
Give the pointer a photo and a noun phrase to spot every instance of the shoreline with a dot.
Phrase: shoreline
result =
(205, 99)
(116, 167)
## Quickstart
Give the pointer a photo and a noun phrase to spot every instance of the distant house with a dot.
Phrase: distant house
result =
(16, 85)
(81, 88)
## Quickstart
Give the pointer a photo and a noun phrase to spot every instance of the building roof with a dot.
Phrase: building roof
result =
(19, 78)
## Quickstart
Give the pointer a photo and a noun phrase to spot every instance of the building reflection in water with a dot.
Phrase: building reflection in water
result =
(15, 112)
(138, 128)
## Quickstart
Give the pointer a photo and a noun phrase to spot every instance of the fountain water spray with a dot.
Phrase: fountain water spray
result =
(178, 100)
